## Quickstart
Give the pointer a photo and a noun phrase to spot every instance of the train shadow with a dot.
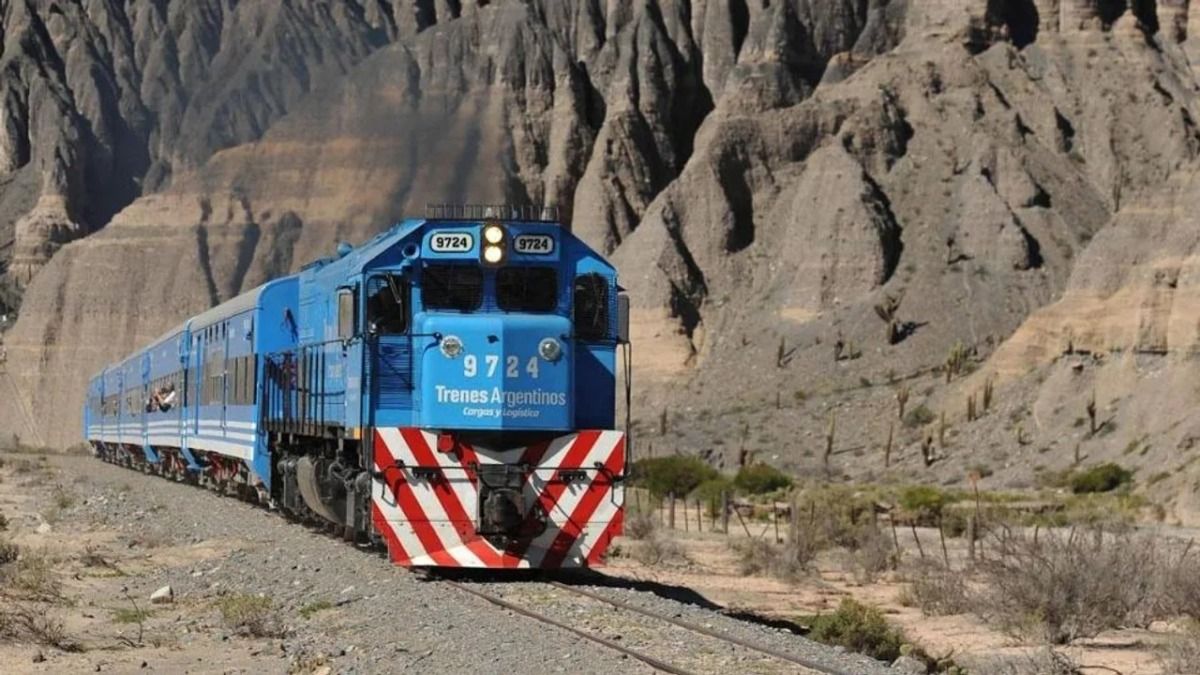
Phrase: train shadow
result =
(587, 577)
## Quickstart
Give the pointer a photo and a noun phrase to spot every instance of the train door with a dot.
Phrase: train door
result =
(121, 404)
(198, 379)
(224, 378)
(143, 403)
(388, 373)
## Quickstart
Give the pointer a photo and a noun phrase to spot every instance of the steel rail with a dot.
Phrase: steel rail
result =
(769, 651)
(501, 602)
(657, 664)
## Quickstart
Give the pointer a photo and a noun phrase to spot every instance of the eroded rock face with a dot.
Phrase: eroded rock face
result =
(765, 174)
(102, 101)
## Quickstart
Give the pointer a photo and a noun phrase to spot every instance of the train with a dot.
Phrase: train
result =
(446, 390)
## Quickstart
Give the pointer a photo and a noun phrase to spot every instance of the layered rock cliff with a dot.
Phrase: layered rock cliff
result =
(811, 202)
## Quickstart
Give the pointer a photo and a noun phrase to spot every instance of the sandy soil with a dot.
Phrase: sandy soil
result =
(712, 569)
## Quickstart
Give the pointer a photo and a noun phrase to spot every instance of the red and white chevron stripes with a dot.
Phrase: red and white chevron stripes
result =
(426, 504)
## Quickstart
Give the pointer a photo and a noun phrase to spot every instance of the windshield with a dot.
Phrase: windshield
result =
(387, 304)
(527, 289)
(458, 287)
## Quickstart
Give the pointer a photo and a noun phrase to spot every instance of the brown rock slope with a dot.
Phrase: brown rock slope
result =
(771, 179)
(101, 101)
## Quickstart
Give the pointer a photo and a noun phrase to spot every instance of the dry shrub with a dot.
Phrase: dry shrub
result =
(33, 624)
(1066, 586)
(859, 628)
(63, 498)
(640, 525)
(658, 550)
(873, 554)
(30, 577)
(936, 590)
(789, 562)
(1045, 661)
(23, 466)
(9, 552)
(150, 539)
(1179, 585)
(252, 615)
(1180, 655)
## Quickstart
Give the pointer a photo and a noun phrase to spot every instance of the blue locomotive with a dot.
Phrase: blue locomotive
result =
(447, 389)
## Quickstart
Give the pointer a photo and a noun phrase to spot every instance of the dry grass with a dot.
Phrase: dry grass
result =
(9, 552)
(252, 615)
(936, 590)
(1182, 653)
(640, 525)
(872, 554)
(150, 539)
(1045, 661)
(31, 577)
(32, 623)
(788, 562)
(656, 549)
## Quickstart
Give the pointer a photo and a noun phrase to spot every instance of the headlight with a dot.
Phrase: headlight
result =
(451, 346)
(550, 349)
(493, 254)
(492, 234)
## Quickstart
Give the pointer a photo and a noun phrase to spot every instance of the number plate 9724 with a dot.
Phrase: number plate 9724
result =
(534, 244)
(451, 242)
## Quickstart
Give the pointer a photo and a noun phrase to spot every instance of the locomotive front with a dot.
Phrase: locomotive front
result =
(489, 392)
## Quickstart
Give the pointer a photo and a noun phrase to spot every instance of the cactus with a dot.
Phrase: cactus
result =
(829, 436)
(1022, 439)
(852, 351)
(988, 389)
(971, 408)
(783, 355)
(1091, 412)
(887, 448)
(942, 430)
(887, 311)
(902, 399)
(927, 450)
(955, 360)
(662, 422)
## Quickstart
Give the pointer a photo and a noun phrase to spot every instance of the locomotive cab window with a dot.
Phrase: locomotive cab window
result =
(456, 287)
(345, 313)
(527, 289)
(591, 307)
(387, 304)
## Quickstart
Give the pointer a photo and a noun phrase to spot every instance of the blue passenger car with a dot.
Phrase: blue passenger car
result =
(447, 389)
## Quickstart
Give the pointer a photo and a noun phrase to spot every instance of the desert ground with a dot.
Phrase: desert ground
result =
(87, 545)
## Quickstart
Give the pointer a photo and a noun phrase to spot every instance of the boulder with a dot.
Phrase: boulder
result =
(163, 596)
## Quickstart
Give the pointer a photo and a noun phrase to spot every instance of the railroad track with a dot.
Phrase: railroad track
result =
(792, 660)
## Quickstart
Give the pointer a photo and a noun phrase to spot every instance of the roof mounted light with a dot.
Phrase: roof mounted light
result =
(495, 244)
(493, 234)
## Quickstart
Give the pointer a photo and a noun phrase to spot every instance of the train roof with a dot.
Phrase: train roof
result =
(229, 308)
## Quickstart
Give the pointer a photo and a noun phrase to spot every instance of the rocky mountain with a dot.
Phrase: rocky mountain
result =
(816, 203)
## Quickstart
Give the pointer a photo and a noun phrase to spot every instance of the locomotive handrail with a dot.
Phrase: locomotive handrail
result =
(526, 212)
(295, 396)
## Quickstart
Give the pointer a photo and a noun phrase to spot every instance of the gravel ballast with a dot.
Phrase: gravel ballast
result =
(350, 610)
